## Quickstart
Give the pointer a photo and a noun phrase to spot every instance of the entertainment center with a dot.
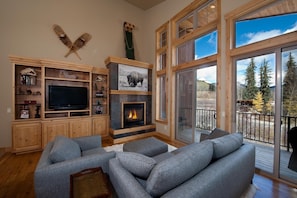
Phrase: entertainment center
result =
(56, 98)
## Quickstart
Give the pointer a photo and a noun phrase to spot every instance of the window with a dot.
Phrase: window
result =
(262, 51)
(206, 45)
(254, 30)
(162, 94)
(161, 74)
(200, 17)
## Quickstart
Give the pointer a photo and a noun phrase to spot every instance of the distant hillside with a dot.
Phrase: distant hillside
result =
(205, 86)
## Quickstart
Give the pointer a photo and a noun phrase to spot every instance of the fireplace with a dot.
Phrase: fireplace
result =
(133, 114)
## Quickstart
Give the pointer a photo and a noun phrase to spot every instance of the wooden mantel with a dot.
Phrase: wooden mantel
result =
(126, 61)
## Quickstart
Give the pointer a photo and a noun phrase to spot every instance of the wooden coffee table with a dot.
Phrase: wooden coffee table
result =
(91, 182)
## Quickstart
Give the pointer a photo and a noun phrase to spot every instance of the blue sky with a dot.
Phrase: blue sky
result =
(260, 29)
(251, 31)
(247, 32)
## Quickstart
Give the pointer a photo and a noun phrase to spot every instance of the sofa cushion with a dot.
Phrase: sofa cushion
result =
(64, 149)
(138, 164)
(173, 171)
(226, 144)
(215, 133)
(98, 150)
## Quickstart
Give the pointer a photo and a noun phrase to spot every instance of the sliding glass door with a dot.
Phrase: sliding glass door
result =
(266, 108)
(185, 103)
(195, 103)
(288, 111)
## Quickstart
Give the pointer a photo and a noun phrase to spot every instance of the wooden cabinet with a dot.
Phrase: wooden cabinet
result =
(101, 125)
(80, 127)
(50, 129)
(26, 136)
(36, 121)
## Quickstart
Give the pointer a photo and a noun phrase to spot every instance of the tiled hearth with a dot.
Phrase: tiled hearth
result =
(119, 99)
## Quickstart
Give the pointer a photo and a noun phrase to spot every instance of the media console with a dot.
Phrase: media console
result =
(39, 114)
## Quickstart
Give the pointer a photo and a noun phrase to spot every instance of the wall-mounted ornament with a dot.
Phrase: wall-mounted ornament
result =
(128, 36)
(73, 47)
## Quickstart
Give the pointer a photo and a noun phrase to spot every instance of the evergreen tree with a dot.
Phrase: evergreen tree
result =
(264, 83)
(250, 91)
(290, 88)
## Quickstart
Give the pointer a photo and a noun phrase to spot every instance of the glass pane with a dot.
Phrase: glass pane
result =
(162, 63)
(185, 52)
(255, 106)
(206, 99)
(185, 26)
(207, 14)
(163, 38)
(288, 157)
(184, 106)
(162, 102)
(259, 29)
(206, 45)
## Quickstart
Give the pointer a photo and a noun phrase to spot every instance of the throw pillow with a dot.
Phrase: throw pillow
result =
(64, 149)
(226, 144)
(177, 169)
(137, 164)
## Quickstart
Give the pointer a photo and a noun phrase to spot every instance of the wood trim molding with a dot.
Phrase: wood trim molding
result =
(126, 61)
(124, 92)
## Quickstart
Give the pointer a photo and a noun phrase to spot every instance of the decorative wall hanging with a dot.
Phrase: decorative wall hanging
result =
(128, 36)
(132, 78)
(73, 47)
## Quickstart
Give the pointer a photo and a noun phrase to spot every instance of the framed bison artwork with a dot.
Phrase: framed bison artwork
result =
(132, 78)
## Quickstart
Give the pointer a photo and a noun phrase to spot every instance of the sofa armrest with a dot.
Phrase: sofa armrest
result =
(88, 142)
(124, 182)
(54, 180)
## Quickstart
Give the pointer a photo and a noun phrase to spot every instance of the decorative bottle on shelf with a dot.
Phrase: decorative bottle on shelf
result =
(98, 108)
(37, 114)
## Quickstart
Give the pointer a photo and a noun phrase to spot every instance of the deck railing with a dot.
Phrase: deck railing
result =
(254, 126)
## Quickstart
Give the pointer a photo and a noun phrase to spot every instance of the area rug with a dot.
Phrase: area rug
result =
(250, 192)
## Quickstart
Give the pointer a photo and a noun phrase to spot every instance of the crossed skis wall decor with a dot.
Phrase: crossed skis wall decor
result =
(73, 47)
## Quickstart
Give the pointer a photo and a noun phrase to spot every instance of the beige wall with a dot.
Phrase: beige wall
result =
(26, 30)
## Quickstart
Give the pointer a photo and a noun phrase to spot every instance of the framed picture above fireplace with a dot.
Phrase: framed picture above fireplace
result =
(132, 78)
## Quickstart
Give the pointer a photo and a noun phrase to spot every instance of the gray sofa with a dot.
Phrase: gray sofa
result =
(220, 167)
(63, 157)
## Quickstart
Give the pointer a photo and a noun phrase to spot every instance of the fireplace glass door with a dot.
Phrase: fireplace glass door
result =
(133, 114)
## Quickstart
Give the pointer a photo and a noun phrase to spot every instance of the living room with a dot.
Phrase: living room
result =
(27, 31)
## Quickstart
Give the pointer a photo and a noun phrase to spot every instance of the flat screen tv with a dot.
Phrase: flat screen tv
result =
(67, 97)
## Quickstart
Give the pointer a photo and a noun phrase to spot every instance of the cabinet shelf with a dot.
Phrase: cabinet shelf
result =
(34, 124)
(66, 79)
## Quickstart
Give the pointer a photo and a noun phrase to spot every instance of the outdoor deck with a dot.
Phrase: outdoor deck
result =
(264, 160)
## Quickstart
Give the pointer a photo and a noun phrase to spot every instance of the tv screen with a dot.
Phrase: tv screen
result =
(67, 97)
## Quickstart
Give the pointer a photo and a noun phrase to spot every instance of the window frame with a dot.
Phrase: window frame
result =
(233, 52)
(160, 72)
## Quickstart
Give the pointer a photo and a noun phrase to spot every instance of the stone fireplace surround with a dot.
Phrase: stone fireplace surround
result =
(118, 97)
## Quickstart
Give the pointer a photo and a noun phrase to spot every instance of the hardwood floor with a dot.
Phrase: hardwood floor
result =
(16, 177)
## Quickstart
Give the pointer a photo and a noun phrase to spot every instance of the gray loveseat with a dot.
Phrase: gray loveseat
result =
(63, 157)
(221, 167)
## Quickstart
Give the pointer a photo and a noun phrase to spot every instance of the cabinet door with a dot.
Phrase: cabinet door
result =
(80, 127)
(101, 125)
(53, 128)
(26, 137)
